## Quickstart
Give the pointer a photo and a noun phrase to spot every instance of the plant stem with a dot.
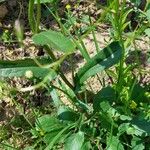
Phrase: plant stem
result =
(38, 17)
(94, 36)
(118, 28)
(31, 15)
(65, 79)
(82, 48)
(60, 72)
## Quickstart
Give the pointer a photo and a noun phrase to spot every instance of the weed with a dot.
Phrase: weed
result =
(116, 117)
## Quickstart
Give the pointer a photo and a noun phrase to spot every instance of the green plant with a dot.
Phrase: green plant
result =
(113, 119)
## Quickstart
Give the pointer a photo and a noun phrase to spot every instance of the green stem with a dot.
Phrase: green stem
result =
(60, 72)
(118, 28)
(65, 79)
(31, 15)
(94, 36)
(50, 53)
(38, 17)
(82, 48)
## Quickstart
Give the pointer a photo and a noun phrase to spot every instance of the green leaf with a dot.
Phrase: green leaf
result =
(86, 146)
(75, 141)
(26, 62)
(29, 148)
(113, 143)
(55, 97)
(123, 128)
(147, 32)
(48, 123)
(148, 14)
(103, 60)
(55, 40)
(124, 117)
(106, 121)
(18, 68)
(106, 94)
(136, 2)
(58, 136)
(137, 144)
(142, 126)
(66, 114)
(50, 136)
(45, 1)
(138, 93)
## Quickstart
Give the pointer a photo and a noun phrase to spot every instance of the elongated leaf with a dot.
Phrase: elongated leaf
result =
(55, 40)
(27, 62)
(75, 141)
(59, 135)
(103, 60)
(141, 125)
(50, 136)
(19, 68)
(45, 1)
(48, 123)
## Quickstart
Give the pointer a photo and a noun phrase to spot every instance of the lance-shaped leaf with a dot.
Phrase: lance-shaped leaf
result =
(106, 58)
(55, 40)
(45, 1)
(19, 68)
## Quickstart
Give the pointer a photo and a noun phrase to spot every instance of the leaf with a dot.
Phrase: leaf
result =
(141, 125)
(55, 40)
(18, 68)
(103, 60)
(124, 117)
(147, 32)
(50, 136)
(55, 97)
(48, 123)
(113, 143)
(29, 148)
(58, 136)
(123, 128)
(105, 94)
(106, 121)
(137, 144)
(136, 2)
(138, 93)
(44, 1)
(75, 141)
(148, 14)
(26, 62)
(66, 114)
(86, 146)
